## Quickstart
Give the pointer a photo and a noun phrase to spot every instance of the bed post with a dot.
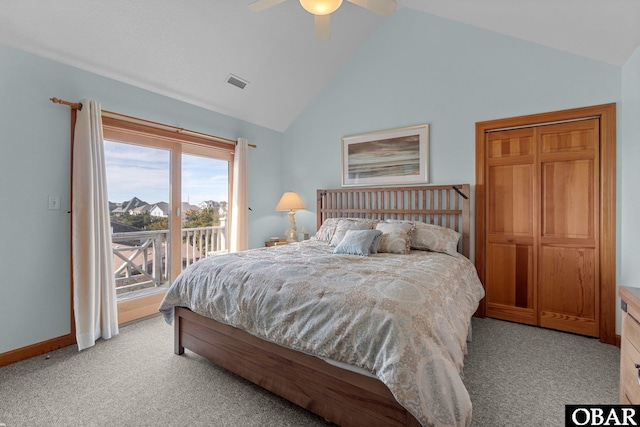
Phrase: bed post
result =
(320, 204)
(177, 336)
(466, 220)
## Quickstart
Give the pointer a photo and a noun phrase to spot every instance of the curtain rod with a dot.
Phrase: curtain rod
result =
(78, 106)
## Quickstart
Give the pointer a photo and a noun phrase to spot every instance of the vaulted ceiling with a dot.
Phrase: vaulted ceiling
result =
(187, 49)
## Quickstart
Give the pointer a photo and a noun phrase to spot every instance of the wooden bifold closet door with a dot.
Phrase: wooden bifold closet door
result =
(510, 282)
(542, 226)
(541, 201)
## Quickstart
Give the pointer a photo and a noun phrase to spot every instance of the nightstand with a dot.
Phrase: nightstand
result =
(269, 243)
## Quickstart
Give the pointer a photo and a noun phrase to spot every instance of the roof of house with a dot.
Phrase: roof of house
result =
(119, 227)
(163, 206)
(189, 207)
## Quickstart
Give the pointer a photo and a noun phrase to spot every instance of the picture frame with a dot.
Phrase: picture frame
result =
(389, 157)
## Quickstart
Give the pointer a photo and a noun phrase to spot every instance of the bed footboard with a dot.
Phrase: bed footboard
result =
(340, 396)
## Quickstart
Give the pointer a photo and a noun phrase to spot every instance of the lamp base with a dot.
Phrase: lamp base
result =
(292, 233)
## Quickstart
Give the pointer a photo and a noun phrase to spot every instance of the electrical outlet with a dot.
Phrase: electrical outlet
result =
(54, 203)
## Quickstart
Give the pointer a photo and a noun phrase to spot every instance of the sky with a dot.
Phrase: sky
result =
(143, 172)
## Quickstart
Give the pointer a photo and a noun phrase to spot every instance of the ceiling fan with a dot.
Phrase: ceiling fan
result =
(322, 9)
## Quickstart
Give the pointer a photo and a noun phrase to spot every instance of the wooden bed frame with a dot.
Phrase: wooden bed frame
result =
(340, 396)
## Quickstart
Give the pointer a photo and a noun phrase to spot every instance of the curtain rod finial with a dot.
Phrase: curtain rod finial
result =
(76, 105)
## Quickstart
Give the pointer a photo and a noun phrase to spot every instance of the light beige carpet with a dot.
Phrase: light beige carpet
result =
(516, 375)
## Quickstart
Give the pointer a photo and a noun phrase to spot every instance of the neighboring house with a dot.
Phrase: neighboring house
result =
(128, 206)
(118, 210)
(160, 209)
(188, 207)
(221, 207)
(141, 210)
(119, 227)
(210, 204)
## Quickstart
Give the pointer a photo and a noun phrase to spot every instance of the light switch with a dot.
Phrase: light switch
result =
(54, 203)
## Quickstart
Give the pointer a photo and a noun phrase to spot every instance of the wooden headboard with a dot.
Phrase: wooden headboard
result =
(444, 205)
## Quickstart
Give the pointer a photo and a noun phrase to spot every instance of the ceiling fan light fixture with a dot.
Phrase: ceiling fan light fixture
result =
(320, 7)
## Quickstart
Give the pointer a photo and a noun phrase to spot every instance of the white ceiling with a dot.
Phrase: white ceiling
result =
(186, 49)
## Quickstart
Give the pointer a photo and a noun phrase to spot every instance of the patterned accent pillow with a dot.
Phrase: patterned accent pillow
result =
(396, 237)
(357, 242)
(346, 224)
(435, 238)
(326, 230)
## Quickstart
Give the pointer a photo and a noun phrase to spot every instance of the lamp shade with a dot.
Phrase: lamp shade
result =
(290, 201)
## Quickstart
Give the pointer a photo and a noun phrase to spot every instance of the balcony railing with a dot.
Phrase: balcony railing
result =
(140, 257)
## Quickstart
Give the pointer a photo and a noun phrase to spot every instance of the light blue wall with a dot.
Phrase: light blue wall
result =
(415, 69)
(34, 163)
(629, 144)
(418, 68)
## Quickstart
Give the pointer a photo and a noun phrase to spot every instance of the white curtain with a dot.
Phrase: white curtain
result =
(95, 305)
(240, 199)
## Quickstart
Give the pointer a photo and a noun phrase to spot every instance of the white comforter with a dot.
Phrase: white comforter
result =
(404, 318)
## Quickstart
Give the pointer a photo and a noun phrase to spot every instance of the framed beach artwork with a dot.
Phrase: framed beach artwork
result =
(390, 157)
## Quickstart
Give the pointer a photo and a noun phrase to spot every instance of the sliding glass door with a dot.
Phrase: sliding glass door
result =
(169, 204)
(205, 205)
(139, 187)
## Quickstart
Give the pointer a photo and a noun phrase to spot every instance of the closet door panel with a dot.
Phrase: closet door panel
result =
(510, 198)
(510, 144)
(573, 137)
(567, 283)
(510, 209)
(568, 199)
(510, 286)
(568, 271)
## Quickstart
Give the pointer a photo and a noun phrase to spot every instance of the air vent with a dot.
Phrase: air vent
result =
(237, 81)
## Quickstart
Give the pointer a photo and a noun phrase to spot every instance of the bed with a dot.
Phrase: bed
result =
(391, 355)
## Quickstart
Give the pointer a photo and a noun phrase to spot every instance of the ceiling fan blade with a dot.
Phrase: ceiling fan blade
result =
(381, 7)
(260, 5)
(323, 27)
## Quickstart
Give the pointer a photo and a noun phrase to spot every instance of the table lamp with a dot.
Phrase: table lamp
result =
(290, 201)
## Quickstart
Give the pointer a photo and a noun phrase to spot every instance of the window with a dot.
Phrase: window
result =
(169, 205)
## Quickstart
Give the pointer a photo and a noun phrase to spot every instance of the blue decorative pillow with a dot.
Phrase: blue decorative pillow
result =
(376, 242)
(358, 242)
